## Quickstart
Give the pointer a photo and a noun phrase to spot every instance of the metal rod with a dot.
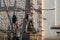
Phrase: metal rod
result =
(49, 9)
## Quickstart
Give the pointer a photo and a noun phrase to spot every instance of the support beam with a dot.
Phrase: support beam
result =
(37, 19)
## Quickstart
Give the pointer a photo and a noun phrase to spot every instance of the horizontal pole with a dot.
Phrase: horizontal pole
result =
(49, 9)
(18, 9)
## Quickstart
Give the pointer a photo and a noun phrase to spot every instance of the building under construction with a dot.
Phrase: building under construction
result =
(23, 14)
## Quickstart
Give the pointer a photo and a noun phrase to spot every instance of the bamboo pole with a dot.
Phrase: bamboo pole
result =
(40, 19)
(34, 5)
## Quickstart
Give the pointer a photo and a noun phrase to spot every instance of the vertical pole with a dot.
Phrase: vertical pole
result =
(0, 4)
(55, 14)
(40, 19)
(10, 27)
(36, 16)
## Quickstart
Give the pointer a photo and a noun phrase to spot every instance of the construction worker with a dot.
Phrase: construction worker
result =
(17, 32)
(17, 28)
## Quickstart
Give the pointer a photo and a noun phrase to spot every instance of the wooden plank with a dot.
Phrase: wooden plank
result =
(55, 27)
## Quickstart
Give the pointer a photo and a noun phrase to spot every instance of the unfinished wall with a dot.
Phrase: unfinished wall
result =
(52, 17)
(4, 21)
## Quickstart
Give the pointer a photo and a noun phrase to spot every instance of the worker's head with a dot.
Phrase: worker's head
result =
(17, 25)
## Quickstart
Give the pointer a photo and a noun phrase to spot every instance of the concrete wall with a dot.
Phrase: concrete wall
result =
(52, 17)
(4, 21)
(58, 12)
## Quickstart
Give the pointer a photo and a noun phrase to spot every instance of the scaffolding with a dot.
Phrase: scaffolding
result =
(7, 34)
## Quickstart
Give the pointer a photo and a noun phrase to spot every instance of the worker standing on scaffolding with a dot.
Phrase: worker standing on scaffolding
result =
(17, 32)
